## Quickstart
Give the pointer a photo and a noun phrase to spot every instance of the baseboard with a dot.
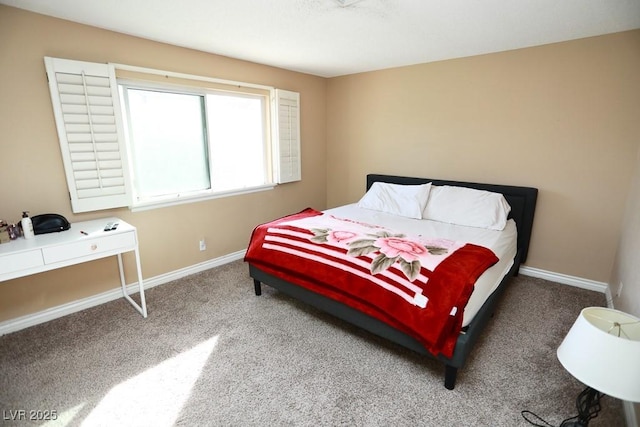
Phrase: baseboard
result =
(565, 279)
(28, 320)
(23, 322)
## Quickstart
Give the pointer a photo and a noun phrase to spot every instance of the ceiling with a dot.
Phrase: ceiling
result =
(330, 38)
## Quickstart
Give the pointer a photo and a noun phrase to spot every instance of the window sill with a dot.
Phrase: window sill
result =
(148, 205)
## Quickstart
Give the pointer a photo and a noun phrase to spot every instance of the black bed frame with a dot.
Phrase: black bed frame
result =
(522, 201)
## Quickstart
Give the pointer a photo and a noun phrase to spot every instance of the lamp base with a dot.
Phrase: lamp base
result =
(588, 405)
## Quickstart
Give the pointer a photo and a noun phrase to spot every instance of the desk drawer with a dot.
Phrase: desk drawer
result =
(20, 261)
(88, 247)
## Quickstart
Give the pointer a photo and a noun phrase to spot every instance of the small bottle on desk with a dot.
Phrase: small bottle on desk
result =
(27, 226)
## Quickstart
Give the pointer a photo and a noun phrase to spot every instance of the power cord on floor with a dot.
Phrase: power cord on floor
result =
(524, 415)
(587, 404)
(546, 424)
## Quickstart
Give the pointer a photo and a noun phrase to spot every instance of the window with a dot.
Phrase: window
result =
(148, 142)
(189, 143)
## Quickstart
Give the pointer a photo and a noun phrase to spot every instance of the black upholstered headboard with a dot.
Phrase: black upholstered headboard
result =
(521, 199)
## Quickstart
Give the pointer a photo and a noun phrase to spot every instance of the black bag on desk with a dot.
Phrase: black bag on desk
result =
(49, 223)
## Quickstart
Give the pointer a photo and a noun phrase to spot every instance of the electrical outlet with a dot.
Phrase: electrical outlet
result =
(619, 290)
(203, 245)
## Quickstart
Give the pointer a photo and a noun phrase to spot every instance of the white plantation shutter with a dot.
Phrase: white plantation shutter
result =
(287, 140)
(86, 108)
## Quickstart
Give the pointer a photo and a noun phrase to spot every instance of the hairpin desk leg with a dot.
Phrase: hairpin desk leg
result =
(142, 307)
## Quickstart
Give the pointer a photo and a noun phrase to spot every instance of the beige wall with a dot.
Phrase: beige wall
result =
(563, 118)
(32, 175)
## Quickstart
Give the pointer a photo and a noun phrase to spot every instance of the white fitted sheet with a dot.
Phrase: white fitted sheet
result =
(502, 243)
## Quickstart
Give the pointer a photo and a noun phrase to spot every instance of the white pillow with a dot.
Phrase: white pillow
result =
(397, 199)
(467, 206)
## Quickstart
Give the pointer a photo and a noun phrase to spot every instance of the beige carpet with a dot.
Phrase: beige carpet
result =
(212, 353)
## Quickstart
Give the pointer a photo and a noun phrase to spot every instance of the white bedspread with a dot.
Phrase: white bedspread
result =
(502, 243)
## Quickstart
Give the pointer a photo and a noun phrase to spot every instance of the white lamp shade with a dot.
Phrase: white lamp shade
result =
(593, 352)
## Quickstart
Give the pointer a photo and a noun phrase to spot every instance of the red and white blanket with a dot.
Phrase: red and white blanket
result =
(416, 284)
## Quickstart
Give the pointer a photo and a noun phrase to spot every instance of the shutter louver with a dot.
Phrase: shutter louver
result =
(287, 142)
(85, 104)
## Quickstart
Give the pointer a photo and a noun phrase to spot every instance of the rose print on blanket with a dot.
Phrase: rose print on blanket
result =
(390, 249)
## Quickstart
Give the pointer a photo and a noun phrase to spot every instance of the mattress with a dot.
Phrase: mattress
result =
(503, 243)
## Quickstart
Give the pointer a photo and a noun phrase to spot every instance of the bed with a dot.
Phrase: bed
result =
(456, 334)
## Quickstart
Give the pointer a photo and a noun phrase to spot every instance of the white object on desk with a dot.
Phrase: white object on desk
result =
(84, 241)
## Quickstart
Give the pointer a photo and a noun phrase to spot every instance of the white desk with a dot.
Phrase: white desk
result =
(46, 252)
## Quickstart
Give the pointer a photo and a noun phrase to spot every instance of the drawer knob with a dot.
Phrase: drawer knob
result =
(94, 247)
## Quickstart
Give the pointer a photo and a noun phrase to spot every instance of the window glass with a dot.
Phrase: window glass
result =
(169, 144)
(237, 138)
